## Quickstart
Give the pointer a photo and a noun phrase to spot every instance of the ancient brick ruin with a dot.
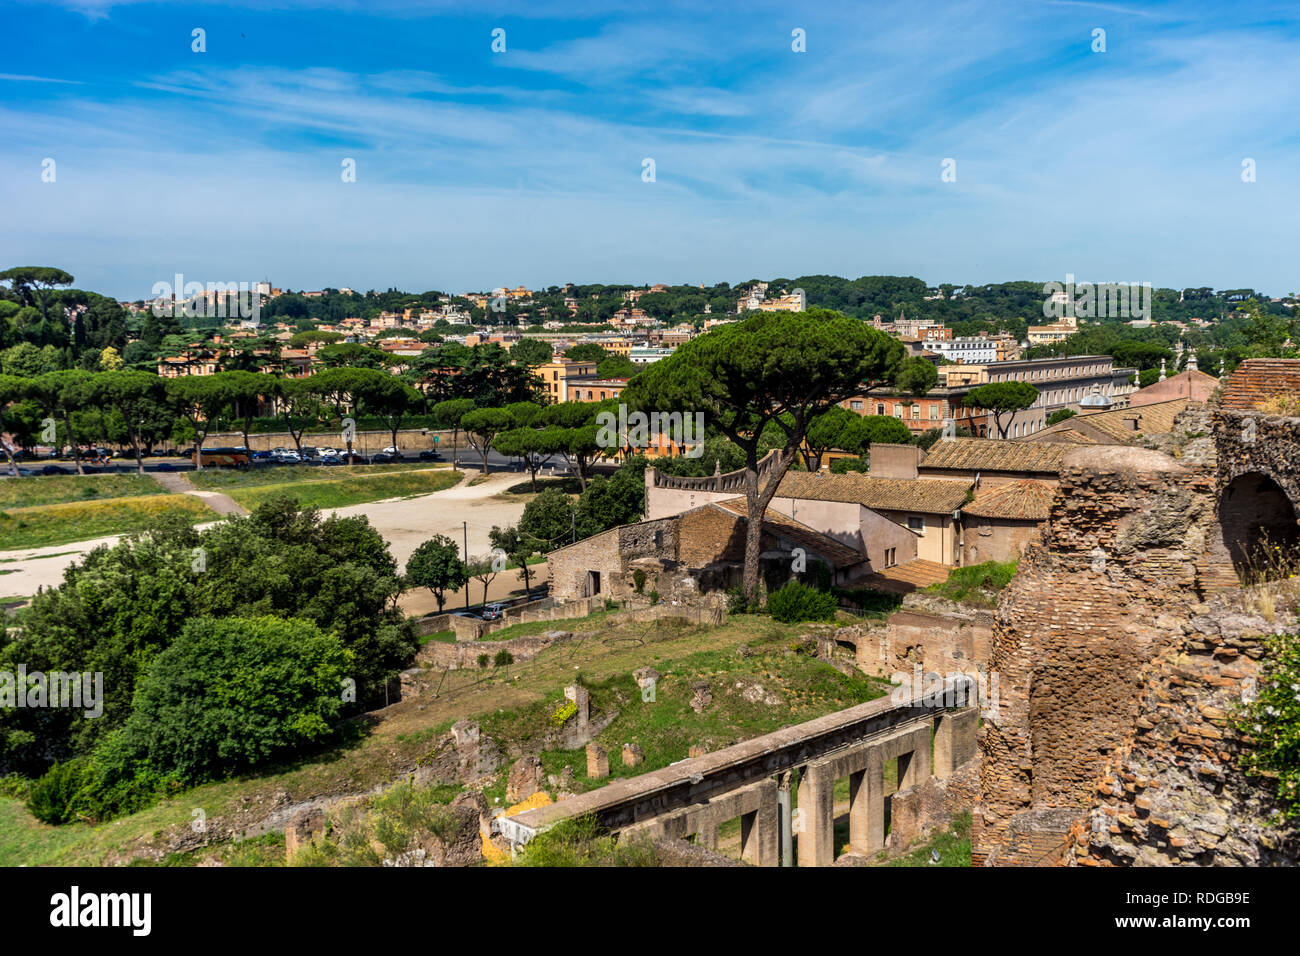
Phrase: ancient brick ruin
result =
(1122, 646)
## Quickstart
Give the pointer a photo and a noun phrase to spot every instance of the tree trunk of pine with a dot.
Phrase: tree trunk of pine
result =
(135, 447)
(756, 503)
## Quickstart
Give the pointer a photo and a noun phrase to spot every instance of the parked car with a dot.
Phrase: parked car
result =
(262, 456)
(330, 459)
(55, 470)
(494, 611)
(430, 454)
(466, 614)
(384, 458)
(290, 458)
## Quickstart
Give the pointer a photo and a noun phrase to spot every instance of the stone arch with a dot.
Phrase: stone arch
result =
(1256, 512)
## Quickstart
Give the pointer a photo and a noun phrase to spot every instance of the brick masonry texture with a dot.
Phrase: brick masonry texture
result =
(1174, 793)
(1104, 589)
(1122, 646)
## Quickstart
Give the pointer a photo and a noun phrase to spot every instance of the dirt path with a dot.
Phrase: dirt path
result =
(179, 484)
(405, 523)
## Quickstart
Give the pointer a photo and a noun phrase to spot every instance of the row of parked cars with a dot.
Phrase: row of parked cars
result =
(325, 455)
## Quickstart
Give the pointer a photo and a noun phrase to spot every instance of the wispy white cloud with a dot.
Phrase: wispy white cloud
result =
(19, 78)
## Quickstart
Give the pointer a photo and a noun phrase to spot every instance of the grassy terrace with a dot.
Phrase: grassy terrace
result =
(327, 487)
(977, 584)
(513, 704)
(43, 525)
(29, 492)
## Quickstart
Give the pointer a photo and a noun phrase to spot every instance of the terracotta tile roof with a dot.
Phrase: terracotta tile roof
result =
(1116, 426)
(991, 454)
(841, 555)
(922, 495)
(1257, 380)
(906, 577)
(1025, 500)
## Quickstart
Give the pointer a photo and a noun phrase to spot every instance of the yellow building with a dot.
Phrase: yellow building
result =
(561, 373)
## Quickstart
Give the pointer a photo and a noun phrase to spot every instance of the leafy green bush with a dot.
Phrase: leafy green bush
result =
(738, 603)
(638, 581)
(1273, 720)
(795, 602)
(842, 466)
(230, 694)
(50, 798)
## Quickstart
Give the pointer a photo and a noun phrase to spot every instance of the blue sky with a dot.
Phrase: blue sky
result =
(476, 169)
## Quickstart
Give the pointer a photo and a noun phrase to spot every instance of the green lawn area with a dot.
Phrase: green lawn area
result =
(327, 487)
(44, 525)
(444, 637)
(977, 583)
(56, 489)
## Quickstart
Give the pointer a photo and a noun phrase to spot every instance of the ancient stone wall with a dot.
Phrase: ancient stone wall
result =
(1105, 589)
(945, 639)
(995, 539)
(1175, 794)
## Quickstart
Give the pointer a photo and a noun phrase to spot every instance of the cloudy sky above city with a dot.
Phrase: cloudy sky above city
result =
(476, 169)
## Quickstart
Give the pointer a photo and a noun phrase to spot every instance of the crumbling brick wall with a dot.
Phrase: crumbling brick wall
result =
(1176, 794)
(1105, 588)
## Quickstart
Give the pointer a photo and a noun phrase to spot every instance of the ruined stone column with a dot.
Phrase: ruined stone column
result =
(867, 813)
(783, 804)
(759, 828)
(816, 816)
(954, 740)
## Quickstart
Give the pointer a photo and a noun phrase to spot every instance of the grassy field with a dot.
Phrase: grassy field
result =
(509, 702)
(44, 525)
(330, 487)
(56, 489)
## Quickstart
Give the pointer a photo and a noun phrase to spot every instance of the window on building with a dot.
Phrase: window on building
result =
(934, 413)
(880, 408)
(898, 411)
(916, 523)
(856, 406)
(916, 412)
